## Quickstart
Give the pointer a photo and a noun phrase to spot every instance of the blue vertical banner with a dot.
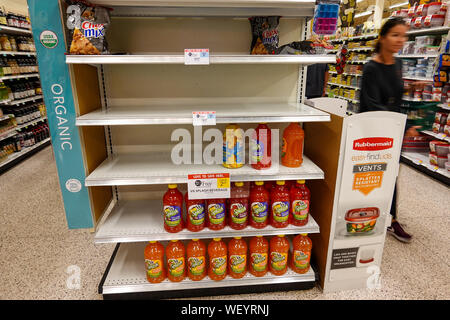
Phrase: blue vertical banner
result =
(48, 35)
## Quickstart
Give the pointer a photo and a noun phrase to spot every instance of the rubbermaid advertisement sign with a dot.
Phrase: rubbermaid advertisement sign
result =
(369, 170)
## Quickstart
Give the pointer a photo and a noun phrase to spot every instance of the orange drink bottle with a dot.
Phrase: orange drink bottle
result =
(259, 255)
(154, 262)
(195, 209)
(196, 260)
(217, 252)
(300, 197)
(237, 253)
(302, 246)
(216, 209)
(173, 209)
(279, 249)
(238, 207)
(279, 217)
(261, 149)
(175, 254)
(292, 149)
(259, 206)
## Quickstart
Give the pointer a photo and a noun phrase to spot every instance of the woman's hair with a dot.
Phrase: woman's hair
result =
(387, 26)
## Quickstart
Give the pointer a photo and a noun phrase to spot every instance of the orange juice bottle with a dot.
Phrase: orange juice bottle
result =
(195, 211)
(175, 253)
(301, 254)
(154, 262)
(217, 252)
(261, 148)
(173, 209)
(233, 147)
(259, 254)
(292, 149)
(279, 197)
(196, 260)
(237, 253)
(279, 249)
(217, 210)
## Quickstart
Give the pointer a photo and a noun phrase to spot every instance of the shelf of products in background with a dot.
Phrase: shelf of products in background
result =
(23, 117)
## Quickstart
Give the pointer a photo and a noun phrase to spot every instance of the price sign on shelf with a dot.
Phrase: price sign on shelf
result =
(196, 56)
(209, 186)
(204, 118)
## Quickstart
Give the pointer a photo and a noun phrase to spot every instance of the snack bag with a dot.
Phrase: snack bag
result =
(87, 24)
(264, 35)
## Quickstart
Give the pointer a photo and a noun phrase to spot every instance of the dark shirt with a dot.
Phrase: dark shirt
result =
(315, 80)
(381, 87)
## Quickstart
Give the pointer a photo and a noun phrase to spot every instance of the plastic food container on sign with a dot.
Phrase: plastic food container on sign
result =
(361, 220)
(442, 149)
(435, 20)
(416, 23)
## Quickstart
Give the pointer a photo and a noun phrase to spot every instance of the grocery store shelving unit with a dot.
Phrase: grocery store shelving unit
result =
(420, 161)
(126, 106)
(15, 158)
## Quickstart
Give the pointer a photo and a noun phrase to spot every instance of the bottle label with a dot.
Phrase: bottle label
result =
(280, 211)
(300, 209)
(219, 265)
(257, 151)
(196, 265)
(278, 260)
(301, 259)
(259, 211)
(153, 267)
(172, 215)
(238, 263)
(176, 266)
(197, 214)
(238, 213)
(259, 261)
(233, 152)
(216, 212)
(283, 148)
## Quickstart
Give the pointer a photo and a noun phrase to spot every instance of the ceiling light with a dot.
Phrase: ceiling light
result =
(401, 4)
(362, 14)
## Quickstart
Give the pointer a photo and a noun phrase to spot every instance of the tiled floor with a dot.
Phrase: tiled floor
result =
(37, 249)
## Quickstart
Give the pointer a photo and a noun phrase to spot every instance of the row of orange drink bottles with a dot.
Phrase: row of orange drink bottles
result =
(218, 259)
(265, 203)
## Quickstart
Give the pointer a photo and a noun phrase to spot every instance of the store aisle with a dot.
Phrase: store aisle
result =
(36, 248)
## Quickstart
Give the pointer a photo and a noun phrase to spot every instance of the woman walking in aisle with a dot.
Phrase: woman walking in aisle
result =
(382, 90)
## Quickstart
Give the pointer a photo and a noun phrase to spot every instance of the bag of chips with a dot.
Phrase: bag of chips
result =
(87, 24)
(264, 35)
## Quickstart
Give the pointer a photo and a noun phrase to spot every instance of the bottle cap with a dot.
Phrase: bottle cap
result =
(238, 238)
(259, 183)
(281, 235)
(217, 239)
(301, 181)
(239, 184)
(259, 236)
(173, 240)
(280, 182)
(195, 239)
(152, 241)
(172, 186)
(304, 234)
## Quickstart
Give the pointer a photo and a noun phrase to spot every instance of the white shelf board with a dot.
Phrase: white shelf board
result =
(423, 159)
(363, 37)
(8, 134)
(30, 123)
(127, 275)
(177, 58)
(343, 85)
(427, 31)
(346, 74)
(414, 56)
(418, 79)
(24, 151)
(25, 100)
(142, 220)
(157, 168)
(20, 76)
(182, 114)
(17, 53)
(6, 117)
(14, 30)
(440, 136)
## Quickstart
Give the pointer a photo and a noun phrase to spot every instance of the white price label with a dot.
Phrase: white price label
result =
(204, 118)
(433, 167)
(209, 186)
(441, 136)
(196, 56)
(417, 161)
